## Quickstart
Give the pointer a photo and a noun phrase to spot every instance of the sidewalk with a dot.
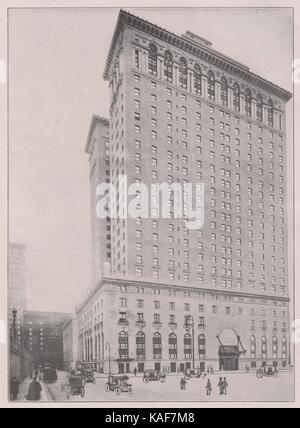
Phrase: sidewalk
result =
(23, 390)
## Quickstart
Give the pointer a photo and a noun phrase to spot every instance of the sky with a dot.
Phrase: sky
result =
(56, 61)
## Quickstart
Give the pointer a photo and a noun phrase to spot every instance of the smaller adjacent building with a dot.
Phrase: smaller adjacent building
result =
(70, 344)
(43, 336)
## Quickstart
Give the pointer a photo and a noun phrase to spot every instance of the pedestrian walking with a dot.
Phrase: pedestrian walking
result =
(225, 386)
(34, 391)
(220, 385)
(135, 371)
(208, 387)
(182, 383)
(14, 388)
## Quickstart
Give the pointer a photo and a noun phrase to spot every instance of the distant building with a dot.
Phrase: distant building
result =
(70, 347)
(43, 336)
(16, 287)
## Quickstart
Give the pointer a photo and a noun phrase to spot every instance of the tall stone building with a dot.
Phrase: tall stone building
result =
(176, 297)
(16, 288)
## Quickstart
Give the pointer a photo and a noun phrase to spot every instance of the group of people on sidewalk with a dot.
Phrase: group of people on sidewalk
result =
(34, 390)
(222, 385)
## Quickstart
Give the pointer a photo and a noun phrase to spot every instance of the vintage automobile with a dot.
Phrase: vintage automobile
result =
(118, 384)
(267, 371)
(88, 376)
(154, 375)
(76, 384)
(49, 373)
(194, 373)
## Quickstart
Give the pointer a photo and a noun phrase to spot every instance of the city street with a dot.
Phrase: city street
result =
(242, 387)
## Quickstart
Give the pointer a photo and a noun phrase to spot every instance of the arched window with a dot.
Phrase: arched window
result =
(284, 347)
(173, 346)
(224, 91)
(270, 112)
(187, 341)
(264, 349)
(236, 97)
(168, 66)
(211, 91)
(123, 345)
(248, 102)
(275, 347)
(202, 347)
(157, 352)
(183, 73)
(140, 346)
(152, 59)
(253, 347)
(259, 107)
(197, 79)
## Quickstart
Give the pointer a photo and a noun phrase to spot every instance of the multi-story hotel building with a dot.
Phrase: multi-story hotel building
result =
(175, 297)
(16, 288)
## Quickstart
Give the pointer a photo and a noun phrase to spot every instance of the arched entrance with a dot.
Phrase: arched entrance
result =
(229, 350)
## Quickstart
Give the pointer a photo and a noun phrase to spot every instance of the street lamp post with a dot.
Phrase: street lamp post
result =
(108, 347)
(190, 317)
(14, 313)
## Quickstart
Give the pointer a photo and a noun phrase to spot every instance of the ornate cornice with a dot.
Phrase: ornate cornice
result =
(192, 289)
(95, 120)
(205, 53)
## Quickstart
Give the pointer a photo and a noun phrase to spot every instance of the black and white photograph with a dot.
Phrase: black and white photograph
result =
(150, 196)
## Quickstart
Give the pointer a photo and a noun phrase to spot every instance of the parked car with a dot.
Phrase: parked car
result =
(154, 375)
(88, 376)
(194, 373)
(118, 384)
(49, 373)
(267, 371)
(76, 384)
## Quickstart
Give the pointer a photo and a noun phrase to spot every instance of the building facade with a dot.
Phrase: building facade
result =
(97, 147)
(16, 288)
(43, 337)
(70, 345)
(176, 297)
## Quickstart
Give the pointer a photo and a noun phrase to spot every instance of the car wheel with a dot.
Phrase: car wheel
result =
(118, 391)
(146, 380)
(276, 374)
(187, 377)
(107, 388)
(162, 379)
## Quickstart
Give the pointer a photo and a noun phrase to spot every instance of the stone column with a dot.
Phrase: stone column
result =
(160, 70)
(175, 75)
(253, 108)
(242, 109)
(146, 61)
(230, 98)
(204, 86)
(217, 93)
(264, 116)
(191, 81)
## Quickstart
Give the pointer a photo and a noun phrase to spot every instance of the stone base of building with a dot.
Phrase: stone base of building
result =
(180, 366)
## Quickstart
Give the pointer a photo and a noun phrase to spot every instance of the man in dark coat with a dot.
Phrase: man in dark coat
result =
(34, 391)
(208, 387)
(14, 388)
(221, 386)
(225, 385)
